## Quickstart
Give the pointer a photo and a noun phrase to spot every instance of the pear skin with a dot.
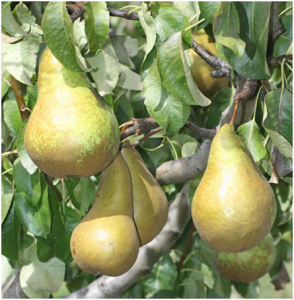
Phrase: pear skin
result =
(71, 131)
(234, 207)
(249, 265)
(106, 240)
(150, 203)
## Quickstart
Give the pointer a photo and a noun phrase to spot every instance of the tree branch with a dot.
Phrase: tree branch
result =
(111, 287)
(123, 14)
(283, 277)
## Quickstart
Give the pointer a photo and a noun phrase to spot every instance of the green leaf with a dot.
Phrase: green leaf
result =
(162, 276)
(278, 120)
(175, 72)
(249, 66)
(24, 17)
(169, 112)
(105, 69)
(219, 102)
(41, 277)
(148, 25)
(20, 60)
(189, 149)
(9, 24)
(58, 240)
(83, 195)
(72, 219)
(120, 46)
(4, 85)
(12, 116)
(24, 158)
(284, 42)
(222, 287)
(179, 140)
(37, 220)
(10, 234)
(96, 24)
(190, 9)
(128, 79)
(6, 196)
(168, 19)
(250, 134)
(209, 9)
(226, 29)
(28, 185)
(59, 35)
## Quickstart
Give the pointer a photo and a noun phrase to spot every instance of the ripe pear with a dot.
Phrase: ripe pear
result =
(201, 70)
(150, 203)
(106, 240)
(234, 207)
(71, 131)
(249, 265)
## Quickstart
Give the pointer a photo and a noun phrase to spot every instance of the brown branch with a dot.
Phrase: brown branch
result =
(201, 132)
(76, 10)
(222, 68)
(123, 14)
(15, 85)
(274, 61)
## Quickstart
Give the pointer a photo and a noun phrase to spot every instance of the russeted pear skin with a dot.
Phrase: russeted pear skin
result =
(234, 207)
(71, 131)
(106, 240)
(249, 265)
(150, 202)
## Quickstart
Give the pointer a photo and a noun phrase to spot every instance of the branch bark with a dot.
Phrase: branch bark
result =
(112, 287)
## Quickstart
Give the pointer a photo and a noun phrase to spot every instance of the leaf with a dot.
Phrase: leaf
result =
(42, 277)
(9, 39)
(278, 120)
(226, 29)
(209, 9)
(222, 287)
(169, 112)
(175, 72)
(249, 132)
(28, 185)
(96, 24)
(72, 219)
(12, 116)
(162, 276)
(105, 69)
(4, 84)
(168, 19)
(9, 24)
(59, 35)
(119, 45)
(148, 25)
(249, 66)
(284, 42)
(58, 240)
(189, 9)
(24, 158)
(20, 58)
(6, 196)
(189, 149)
(179, 140)
(24, 17)
(128, 79)
(10, 235)
(37, 220)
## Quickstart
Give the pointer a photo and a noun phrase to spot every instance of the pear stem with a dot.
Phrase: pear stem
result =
(15, 85)
(236, 104)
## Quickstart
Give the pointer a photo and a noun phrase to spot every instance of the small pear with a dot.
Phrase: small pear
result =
(234, 207)
(106, 240)
(71, 131)
(150, 203)
(249, 265)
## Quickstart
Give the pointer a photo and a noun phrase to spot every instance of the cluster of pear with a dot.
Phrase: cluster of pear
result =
(72, 132)
(234, 209)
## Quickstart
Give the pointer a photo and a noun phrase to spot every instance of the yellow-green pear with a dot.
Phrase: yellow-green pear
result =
(201, 70)
(249, 265)
(106, 240)
(71, 131)
(150, 203)
(234, 207)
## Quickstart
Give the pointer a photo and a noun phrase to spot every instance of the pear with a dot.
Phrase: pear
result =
(106, 240)
(234, 207)
(71, 131)
(150, 203)
(201, 70)
(249, 265)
